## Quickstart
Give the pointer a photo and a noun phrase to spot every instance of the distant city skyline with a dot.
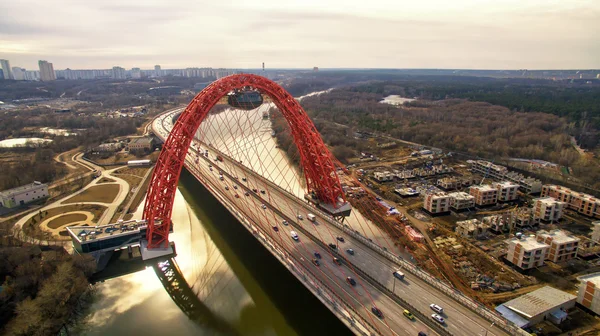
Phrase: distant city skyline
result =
(463, 34)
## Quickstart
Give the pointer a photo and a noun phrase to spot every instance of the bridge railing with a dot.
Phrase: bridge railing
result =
(321, 290)
(455, 294)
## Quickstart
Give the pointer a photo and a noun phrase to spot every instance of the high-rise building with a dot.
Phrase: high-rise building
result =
(18, 73)
(157, 71)
(5, 65)
(136, 73)
(46, 71)
(118, 72)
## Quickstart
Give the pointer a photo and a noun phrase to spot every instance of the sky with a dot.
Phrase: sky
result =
(466, 34)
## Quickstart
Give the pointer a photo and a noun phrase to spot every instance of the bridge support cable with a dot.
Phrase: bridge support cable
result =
(264, 233)
(251, 208)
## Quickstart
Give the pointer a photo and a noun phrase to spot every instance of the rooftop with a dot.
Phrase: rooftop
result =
(461, 195)
(85, 234)
(142, 141)
(538, 301)
(528, 243)
(506, 184)
(559, 236)
(593, 278)
(547, 200)
(23, 188)
(485, 187)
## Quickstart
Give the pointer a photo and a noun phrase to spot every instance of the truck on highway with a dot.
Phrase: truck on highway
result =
(311, 217)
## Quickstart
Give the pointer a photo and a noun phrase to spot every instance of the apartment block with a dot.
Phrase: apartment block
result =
(584, 204)
(384, 176)
(461, 200)
(528, 185)
(589, 292)
(484, 194)
(548, 209)
(526, 252)
(563, 245)
(449, 183)
(436, 203)
(471, 228)
(507, 191)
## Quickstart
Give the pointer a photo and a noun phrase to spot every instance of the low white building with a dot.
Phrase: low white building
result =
(589, 292)
(24, 194)
(461, 200)
(548, 209)
(546, 303)
(507, 191)
(436, 203)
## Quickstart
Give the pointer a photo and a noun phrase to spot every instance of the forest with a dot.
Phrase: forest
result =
(478, 128)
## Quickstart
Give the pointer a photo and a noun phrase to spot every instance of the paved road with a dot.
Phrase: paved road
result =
(459, 319)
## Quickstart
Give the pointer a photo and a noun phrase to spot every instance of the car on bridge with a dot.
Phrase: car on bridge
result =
(408, 314)
(226, 188)
(317, 254)
(237, 196)
(316, 262)
(337, 261)
(244, 179)
(254, 189)
(247, 193)
(300, 217)
(332, 246)
(377, 312)
(438, 318)
(234, 186)
(284, 222)
(275, 228)
(436, 308)
(350, 251)
(263, 206)
(294, 235)
(340, 239)
(262, 191)
(351, 281)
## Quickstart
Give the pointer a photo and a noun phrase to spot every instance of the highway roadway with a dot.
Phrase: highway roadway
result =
(280, 205)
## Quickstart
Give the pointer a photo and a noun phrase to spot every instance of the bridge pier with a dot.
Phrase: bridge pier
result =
(156, 252)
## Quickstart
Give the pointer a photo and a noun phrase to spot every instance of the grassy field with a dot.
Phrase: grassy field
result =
(32, 228)
(65, 220)
(104, 193)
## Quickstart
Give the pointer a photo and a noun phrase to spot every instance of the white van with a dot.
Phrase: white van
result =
(398, 275)
(311, 217)
(294, 235)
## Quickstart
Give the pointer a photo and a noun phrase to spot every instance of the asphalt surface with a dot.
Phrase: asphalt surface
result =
(281, 205)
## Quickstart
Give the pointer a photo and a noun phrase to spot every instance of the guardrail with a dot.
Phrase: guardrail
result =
(321, 290)
(455, 294)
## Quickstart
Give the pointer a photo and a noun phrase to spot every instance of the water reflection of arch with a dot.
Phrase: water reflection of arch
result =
(174, 282)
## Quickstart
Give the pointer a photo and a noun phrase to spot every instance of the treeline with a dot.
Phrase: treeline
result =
(41, 289)
(478, 128)
(39, 166)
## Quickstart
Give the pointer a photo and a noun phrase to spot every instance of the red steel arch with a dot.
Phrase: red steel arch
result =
(315, 158)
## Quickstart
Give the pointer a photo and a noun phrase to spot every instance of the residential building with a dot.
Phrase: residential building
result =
(548, 209)
(488, 169)
(136, 73)
(528, 185)
(471, 228)
(24, 194)
(563, 245)
(5, 65)
(118, 73)
(46, 71)
(384, 176)
(503, 222)
(18, 73)
(436, 203)
(526, 252)
(484, 194)
(589, 292)
(461, 200)
(525, 218)
(157, 71)
(584, 204)
(140, 144)
(449, 183)
(546, 303)
(596, 232)
(507, 191)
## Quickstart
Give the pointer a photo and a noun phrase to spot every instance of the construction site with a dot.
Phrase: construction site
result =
(459, 219)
